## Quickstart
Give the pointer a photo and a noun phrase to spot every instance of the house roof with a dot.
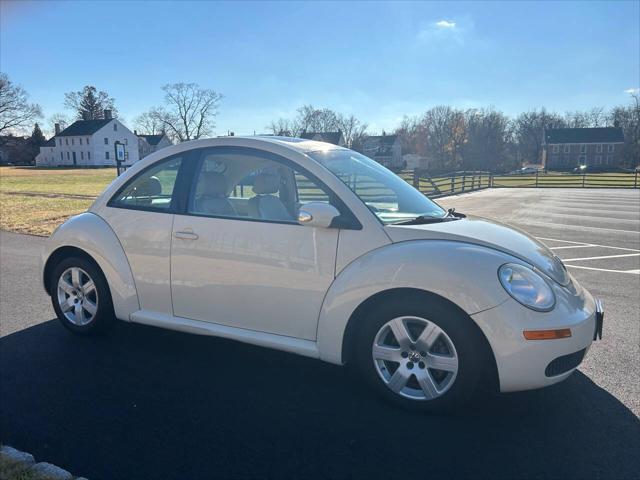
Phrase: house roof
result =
(329, 137)
(584, 135)
(152, 140)
(84, 127)
(386, 140)
(50, 143)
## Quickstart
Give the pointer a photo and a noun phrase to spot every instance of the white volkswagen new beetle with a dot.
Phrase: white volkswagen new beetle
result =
(318, 250)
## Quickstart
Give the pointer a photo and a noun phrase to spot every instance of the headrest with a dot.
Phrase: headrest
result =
(214, 184)
(266, 184)
(149, 187)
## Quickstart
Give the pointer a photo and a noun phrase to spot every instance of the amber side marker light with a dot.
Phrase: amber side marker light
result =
(547, 334)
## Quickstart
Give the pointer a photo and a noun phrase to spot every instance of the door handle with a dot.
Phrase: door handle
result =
(186, 235)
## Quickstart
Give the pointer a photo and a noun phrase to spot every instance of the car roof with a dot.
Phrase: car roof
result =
(300, 144)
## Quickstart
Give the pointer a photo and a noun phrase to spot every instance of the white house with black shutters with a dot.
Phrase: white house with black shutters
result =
(89, 143)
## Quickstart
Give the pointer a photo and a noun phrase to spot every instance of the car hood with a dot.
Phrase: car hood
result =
(488, 233)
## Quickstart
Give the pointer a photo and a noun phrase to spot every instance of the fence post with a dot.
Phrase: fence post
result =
(480, 181)
(583, 177)
(416, 179)
(453, 182)
(536, 178)
(635, 180)
(490, 179)
(464, 179)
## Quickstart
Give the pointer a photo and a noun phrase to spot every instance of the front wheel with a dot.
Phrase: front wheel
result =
(420, 355)
(81, 297)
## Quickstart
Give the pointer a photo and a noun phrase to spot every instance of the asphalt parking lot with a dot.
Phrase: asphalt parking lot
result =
(147, 403)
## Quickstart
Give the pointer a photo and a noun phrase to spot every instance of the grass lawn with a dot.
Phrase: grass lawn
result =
(21, 211)
(76, 181)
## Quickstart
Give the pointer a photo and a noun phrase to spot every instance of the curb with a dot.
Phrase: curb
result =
(17, 465)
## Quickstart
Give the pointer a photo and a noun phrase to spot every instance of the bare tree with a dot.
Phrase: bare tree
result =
(353, 130)
(189, 111)
(529, 129)
(285, 127)
(89, 103)
(628, 119)
(149, 124)
(16, 113)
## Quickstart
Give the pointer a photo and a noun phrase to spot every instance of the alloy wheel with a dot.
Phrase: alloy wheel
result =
(415, 358)
(77, 296)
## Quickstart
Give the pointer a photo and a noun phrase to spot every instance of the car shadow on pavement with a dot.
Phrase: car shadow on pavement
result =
(150, 403)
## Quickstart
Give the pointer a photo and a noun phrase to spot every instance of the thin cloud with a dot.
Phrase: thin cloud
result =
(445, 24)
(631, 91)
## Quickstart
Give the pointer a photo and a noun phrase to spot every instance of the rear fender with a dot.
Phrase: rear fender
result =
(91, 234)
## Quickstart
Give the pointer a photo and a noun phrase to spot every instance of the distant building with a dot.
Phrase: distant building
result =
(89, 143)
(568, 148)
(150, 143)
(16, 150)
(329, 137)
(384, 149)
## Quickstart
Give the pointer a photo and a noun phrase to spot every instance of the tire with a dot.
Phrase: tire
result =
(403, 371)
(80, 296)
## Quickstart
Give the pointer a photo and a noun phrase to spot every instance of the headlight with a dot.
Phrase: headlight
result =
(527, 287)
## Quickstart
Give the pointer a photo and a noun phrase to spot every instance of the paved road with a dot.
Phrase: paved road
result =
(147, 403)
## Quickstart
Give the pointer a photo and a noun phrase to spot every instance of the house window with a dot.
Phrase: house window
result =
(87, 140)
(598, 159)
(61, 157)
(554, 159)
(80, 140)
(106, 141)
(66, 141)
(610, 148)
(556, 148)
(582, 159)
(88, 155)
(567, 148)
(583, 148)
(60, 142)
(81, 155)
(599, 148)
(73, 142)
(115, 127)
(106, 155)
(67, 155)
(609, 159)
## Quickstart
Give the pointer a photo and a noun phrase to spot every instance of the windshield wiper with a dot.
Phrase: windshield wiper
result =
(451, 216)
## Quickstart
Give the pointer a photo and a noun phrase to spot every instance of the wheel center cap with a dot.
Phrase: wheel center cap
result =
(414, 357)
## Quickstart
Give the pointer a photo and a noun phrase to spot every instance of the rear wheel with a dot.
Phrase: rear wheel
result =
(81, 297)
(420, 355)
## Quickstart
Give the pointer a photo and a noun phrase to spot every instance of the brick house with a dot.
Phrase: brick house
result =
(568, 148)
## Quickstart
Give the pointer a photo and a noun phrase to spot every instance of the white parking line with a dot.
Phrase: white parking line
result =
(633, 272)
(572, 246)
(602, 257)
(586, 244)
(578, 227)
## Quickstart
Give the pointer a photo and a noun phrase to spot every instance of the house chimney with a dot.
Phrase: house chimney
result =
(107, 114)
(56, 127)
(135, 132)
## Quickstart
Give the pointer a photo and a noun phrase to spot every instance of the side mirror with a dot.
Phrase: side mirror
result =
(317, 214)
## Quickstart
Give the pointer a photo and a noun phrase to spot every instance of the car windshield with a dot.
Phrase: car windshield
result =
(388, 196)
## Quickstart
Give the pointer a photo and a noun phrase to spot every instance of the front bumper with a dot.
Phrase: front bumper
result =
(527, 364)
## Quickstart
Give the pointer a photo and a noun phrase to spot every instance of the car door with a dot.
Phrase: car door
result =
(141, 215)
(239, 258)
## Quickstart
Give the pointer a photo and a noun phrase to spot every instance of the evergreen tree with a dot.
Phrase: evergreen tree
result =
(37, 137)
(89, 103)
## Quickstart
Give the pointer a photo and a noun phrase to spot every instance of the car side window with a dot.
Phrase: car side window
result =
(250, 187)
(152, 189)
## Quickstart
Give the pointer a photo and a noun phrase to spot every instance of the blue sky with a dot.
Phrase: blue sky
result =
(376, 60)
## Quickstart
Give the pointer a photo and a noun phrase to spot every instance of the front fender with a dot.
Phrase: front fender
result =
(463, 273)
(90, 233)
